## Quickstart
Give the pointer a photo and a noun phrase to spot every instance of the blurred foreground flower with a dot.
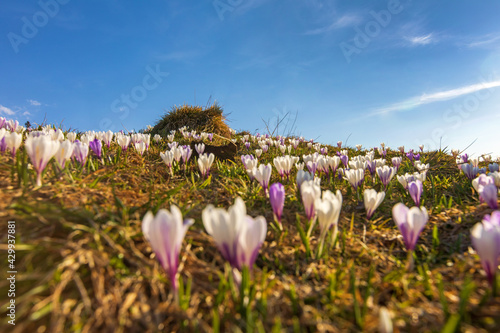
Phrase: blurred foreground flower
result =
(165, 232)
(486, 241)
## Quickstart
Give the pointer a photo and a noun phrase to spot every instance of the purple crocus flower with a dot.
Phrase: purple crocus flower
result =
(489, 194)
(312, 166)
(410, 155)
(410, 222)
(345, 160)
(210, 136)
(247, 145)
(165, 232)
(96, 146)
(386, 174)
(469, 170)
(493, 167)
(415, 189)
(372, 167)
(396, 162)
(339, 144)
(3, 145)
(465, 158)
(485, 238)
(186, 152)
(277, 198)
(80, 151)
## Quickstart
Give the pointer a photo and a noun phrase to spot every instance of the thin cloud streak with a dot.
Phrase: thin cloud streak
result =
(435, 97)
(421, 40)
(341, 22)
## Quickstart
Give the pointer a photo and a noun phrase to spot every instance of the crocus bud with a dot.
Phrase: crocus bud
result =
(263, 175)
(140, 147)
(485, 238)
(165, 233)
(40, 150)
(415, 189)
(309, 191)
(277, 198)
(80, 151)
(96, 146)
(372, 200)
(13, 141)
(204, 163)
(200, 148)
(64, 153)
(410, 222)
(489, 194)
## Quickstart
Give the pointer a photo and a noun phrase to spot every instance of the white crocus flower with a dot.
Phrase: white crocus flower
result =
(71, 136)
(40, 150)
(13, 141)
(64, 153)
(200, 148)
(263, 175)
(355, 177)
(204, 163)
(372, 200)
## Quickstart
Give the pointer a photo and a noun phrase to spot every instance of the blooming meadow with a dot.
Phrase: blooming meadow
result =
(134, 232)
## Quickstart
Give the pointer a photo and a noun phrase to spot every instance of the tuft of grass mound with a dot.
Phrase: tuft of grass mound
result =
(201, 119)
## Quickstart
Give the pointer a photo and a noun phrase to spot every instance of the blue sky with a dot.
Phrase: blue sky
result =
(399, 72)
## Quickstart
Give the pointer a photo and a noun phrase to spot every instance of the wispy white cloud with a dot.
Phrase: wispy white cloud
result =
(34, 102)
(421, 40)
(5, 110)
(416, 101)
(340, 22)
(485, 41)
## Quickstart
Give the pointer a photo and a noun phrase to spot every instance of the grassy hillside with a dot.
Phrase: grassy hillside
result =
(84, 265)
